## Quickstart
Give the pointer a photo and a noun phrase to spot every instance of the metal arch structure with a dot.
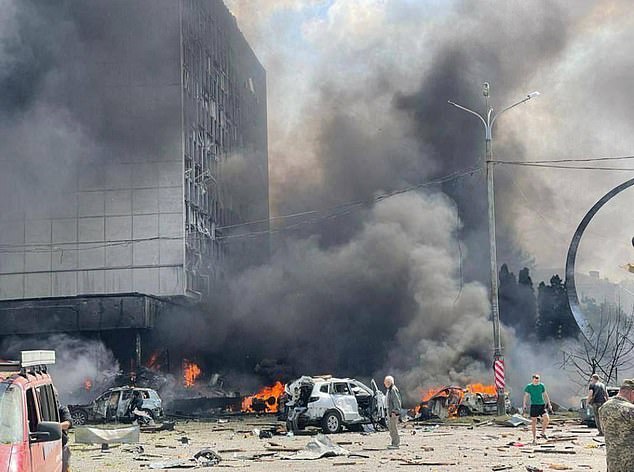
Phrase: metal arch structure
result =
(573, 299)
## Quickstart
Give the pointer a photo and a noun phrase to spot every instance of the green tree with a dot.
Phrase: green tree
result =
(555, 320)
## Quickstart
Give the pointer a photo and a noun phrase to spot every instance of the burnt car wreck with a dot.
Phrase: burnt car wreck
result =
(112, 406)
(455, 401)
(332, 404)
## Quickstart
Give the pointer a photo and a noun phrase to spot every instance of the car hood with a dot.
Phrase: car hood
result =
(6, 452)
(5, 456)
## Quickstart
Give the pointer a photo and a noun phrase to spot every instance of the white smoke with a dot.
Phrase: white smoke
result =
(77, 361)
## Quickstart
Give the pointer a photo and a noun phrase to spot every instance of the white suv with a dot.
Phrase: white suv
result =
(332, 404)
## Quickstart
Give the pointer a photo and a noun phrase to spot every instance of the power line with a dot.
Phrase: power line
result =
(348, 207)
(557, 166)
(590, 159)
(76, 245)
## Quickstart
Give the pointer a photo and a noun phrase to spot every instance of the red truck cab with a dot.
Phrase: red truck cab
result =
(30, 432)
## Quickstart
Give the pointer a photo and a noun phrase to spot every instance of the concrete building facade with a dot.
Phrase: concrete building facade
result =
(152, 215)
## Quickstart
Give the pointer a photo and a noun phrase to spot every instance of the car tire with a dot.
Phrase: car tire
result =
(79, 417)
(331, 422)
(463, 411)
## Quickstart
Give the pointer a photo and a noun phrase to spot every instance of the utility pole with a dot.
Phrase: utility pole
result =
(498, 356)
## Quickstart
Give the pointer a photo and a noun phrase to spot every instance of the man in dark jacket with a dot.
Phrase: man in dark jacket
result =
(393, 399)
(66, 422)
(597, 396)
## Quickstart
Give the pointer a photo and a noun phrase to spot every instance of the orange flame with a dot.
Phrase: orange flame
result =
(87, 384)
(268, 395)
(191, 371)
(488, 390)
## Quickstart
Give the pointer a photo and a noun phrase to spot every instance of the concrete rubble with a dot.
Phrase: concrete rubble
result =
(453, 445)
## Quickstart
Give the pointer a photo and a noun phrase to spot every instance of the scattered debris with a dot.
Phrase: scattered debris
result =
(318, 447)
(86, 435)
(404, 461)
(136, 449)
(207, 458)
(545, 450)
(501, 467)
(514, 421)
(166, 426)
(174, 464)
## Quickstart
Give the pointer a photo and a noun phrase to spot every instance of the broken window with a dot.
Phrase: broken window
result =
(340, 388)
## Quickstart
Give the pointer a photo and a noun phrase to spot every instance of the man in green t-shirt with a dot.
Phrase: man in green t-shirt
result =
(536, 391)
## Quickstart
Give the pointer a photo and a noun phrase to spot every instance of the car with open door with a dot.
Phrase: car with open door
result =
(30, 431)
(333, 404)
(112, 406)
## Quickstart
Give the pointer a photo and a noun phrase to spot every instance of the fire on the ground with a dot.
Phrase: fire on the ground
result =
(454, 401)
(265, 401)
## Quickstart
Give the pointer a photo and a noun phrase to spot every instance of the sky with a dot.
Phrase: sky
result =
(364, 54)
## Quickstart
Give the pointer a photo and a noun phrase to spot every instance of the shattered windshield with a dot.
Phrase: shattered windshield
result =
(10, 414)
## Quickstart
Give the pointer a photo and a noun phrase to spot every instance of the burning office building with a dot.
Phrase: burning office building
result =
(132, 129)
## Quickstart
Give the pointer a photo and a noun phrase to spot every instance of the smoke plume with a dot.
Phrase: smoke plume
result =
(83, 367)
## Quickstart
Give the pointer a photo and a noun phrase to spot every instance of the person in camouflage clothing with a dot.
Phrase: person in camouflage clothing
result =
(617, 420)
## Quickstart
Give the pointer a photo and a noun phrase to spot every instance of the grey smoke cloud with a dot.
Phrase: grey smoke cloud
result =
(358, 105)
(389, 299)
(76, 360)
(76, 93)
(388, 68)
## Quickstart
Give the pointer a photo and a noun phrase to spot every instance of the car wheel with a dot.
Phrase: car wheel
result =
(79, 417)
(463, 411)
(331, 422)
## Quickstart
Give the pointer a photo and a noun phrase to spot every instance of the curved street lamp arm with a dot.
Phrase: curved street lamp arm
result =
(469, 111)
(525, 99)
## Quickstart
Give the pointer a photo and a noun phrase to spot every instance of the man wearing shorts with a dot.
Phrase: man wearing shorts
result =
(536, 391)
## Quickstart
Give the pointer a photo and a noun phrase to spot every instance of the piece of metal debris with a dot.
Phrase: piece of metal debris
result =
(207, 458)
(89, 435)
(318, 447)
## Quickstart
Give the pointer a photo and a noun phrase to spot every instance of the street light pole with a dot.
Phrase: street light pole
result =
(488, 122)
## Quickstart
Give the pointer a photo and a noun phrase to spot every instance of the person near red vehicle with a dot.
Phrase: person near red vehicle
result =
(66, 422)
(30, 432)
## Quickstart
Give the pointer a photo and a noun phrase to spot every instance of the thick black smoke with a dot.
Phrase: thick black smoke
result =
(76, 93)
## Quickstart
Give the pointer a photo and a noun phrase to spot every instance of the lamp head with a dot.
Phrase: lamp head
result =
(533, 94)
(485, 89)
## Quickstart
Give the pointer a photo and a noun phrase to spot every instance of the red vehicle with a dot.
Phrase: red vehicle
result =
(30, 432)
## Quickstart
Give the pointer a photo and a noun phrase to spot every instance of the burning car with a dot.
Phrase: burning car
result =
(332, 403)
(112, 405)
(452, 401)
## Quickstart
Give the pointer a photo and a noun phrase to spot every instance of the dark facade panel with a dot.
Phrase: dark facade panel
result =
(78, 314)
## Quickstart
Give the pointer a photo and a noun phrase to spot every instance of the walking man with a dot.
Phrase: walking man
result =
(597, 396)
(66, 422)
(617, 421)
(393, 398)
(536, 391)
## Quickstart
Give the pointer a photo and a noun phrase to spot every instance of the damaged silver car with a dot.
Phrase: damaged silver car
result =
(332, 404)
